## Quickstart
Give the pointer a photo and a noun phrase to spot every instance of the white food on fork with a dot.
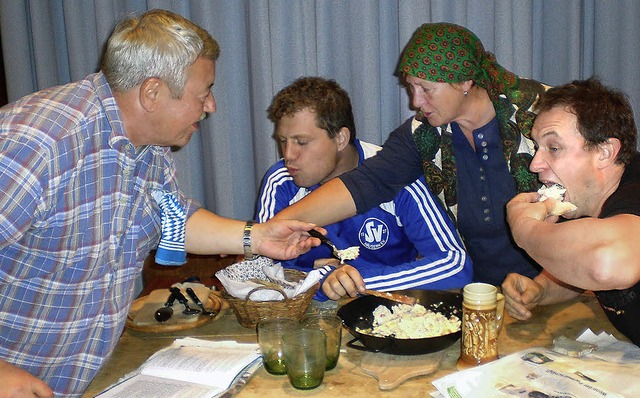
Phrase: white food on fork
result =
(350, 253)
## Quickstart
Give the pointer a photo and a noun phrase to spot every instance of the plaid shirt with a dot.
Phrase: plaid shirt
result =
(76, 223)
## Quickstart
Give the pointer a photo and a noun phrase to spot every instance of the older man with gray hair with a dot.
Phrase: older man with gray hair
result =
(80, 166)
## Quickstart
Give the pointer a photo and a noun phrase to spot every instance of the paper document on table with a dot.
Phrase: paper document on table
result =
(190, 368)
(611, 349)
(538, 371)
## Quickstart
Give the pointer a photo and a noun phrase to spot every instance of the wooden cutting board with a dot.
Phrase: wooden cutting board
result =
(393, 370)
(141, 315)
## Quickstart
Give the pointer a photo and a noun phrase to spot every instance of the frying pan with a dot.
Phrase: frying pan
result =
(358, 313)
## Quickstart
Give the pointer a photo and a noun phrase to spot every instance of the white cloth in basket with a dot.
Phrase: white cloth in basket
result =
(237, 280)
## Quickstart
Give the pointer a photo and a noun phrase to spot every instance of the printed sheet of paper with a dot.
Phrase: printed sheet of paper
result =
(541, 371)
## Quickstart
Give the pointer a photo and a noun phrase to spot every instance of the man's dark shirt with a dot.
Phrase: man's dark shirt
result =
(623, 306)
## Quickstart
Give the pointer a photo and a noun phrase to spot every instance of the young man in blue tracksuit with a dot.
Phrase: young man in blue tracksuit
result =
(407, 243)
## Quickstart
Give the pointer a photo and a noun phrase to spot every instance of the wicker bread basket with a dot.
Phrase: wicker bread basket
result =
(250, 312)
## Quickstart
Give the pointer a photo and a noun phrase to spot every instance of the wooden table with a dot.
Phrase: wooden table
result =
(347, 379)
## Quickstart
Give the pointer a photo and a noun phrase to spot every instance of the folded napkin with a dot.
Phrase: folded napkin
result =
(171, 249)
(241, 278)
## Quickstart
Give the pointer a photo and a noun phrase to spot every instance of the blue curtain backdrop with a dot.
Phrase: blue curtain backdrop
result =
(266, 44)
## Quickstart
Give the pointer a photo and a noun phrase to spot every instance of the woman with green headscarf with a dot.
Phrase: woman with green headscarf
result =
(470, 139)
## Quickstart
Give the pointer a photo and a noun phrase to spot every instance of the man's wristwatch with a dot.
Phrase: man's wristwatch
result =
(246, 241)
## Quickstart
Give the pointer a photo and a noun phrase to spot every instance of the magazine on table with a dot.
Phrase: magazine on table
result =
(191, 368)
(541, 372)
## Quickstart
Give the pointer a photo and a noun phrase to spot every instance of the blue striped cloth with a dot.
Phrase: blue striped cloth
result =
(171, 247)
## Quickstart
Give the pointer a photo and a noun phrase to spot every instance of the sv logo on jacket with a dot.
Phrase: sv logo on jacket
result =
(374, 234)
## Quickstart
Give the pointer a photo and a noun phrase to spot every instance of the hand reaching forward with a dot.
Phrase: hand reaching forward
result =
(282, 239)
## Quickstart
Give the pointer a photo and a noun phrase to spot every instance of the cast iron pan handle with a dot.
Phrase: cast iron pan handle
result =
(351, 344)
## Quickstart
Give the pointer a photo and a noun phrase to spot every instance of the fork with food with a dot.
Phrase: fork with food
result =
(350, 253)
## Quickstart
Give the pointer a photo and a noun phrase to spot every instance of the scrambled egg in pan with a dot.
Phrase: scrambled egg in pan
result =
(404, 321)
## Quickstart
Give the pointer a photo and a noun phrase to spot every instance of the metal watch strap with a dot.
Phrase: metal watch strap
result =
(246, 241)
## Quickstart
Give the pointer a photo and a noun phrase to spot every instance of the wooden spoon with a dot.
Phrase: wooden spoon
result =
(400, 298)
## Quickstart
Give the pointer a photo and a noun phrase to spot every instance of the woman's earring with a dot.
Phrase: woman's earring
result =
(466, 93)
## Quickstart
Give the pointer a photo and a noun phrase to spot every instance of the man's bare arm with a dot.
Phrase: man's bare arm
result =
(208, 233)
(589, 253)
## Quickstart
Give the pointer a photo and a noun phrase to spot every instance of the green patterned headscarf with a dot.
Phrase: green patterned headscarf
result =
(449, 53)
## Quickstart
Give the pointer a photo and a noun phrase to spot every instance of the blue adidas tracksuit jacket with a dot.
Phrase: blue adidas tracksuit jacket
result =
(407, 243)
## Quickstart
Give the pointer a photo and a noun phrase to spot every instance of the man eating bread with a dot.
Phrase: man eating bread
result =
(585, 137)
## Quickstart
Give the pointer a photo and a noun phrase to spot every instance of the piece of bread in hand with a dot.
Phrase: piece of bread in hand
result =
(556, 192)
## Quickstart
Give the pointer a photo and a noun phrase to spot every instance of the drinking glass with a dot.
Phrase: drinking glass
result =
(331, 325)
(270, 333)
(305, 357)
